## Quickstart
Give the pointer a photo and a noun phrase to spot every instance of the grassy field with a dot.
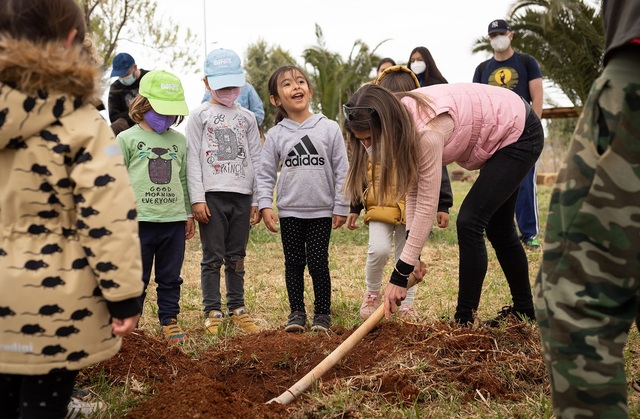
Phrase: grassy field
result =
(267, 302)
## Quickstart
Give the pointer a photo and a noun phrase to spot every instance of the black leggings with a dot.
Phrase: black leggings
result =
(306, 242)
(36, 396)
(490, 205)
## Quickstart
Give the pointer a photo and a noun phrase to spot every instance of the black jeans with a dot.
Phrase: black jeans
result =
(490, 205)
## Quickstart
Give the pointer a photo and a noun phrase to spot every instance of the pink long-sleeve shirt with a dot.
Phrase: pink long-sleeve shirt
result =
(469, 124)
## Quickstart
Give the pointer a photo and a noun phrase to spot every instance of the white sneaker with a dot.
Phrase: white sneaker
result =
(78, 409)
(370, 303)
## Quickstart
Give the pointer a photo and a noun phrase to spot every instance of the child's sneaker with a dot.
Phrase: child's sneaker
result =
(173, 332)
(80, 393)
(321, 323)
(77, 408)
(213, 322)
(370, 303)
(296, 322)
(408, 313)
(243, 321)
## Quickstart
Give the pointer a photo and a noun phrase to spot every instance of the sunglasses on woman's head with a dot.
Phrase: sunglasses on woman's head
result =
(358, 113)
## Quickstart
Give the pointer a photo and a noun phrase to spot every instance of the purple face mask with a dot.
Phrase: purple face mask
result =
(158, 123)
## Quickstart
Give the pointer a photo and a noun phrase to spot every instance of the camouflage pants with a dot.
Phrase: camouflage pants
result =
(587, 293)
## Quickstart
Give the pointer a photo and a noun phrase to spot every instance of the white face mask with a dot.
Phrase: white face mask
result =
(369, 149)
(418, 67)
(500, 43)
(129, 80)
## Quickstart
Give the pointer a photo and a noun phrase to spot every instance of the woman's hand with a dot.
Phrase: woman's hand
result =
(393, 297)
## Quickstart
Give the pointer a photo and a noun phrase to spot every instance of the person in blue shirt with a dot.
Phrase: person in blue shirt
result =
(518, 72)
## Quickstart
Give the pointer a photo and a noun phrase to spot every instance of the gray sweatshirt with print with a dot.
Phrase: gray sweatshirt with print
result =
(223, 151)
(314, 166)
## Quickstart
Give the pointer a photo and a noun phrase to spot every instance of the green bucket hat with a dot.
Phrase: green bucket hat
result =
(165, 93)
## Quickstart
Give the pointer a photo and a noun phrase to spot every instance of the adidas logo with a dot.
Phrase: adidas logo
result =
(304, 154)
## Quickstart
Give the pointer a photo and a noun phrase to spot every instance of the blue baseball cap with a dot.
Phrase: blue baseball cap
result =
(222, 69)
(121, 64)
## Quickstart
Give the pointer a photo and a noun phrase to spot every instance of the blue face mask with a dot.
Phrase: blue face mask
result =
(158, 123)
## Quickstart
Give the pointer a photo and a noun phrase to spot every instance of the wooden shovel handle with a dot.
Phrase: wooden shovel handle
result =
(326, 364)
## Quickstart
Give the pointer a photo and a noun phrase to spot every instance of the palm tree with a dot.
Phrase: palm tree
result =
(333, 79)
(565, 36)
(260, 62)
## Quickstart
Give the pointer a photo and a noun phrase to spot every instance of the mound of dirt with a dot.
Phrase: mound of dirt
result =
(237, 381)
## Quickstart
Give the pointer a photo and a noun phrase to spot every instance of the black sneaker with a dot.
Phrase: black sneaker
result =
(321, 323)
(296, 322)
(505, 313)
(636, 385)
(80, 393)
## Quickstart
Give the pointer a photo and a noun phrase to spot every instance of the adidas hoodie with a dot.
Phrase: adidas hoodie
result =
(314, 166)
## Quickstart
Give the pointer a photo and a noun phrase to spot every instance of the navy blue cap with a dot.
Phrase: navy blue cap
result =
(121, 64)
(498, 25)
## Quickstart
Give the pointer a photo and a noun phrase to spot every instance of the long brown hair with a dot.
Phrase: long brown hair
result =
(41, 20)
(432, 71)
(394, 143)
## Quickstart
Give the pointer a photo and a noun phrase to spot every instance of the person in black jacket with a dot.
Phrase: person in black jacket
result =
(123, 91)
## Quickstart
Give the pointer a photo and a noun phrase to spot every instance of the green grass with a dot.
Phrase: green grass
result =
(266, 300)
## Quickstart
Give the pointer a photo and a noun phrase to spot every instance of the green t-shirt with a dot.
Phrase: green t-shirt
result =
(157, 165)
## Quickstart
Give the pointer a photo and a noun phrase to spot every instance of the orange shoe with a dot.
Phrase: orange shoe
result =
(173, 332)
(242, 320)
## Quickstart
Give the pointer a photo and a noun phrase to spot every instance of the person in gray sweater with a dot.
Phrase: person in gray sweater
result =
(310, 198)
(223, 155)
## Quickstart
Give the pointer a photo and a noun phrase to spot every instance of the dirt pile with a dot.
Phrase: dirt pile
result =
(400, 362)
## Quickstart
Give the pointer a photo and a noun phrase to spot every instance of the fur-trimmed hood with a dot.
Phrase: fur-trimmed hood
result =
(43, 74)
(67, 211)
(30, 67)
